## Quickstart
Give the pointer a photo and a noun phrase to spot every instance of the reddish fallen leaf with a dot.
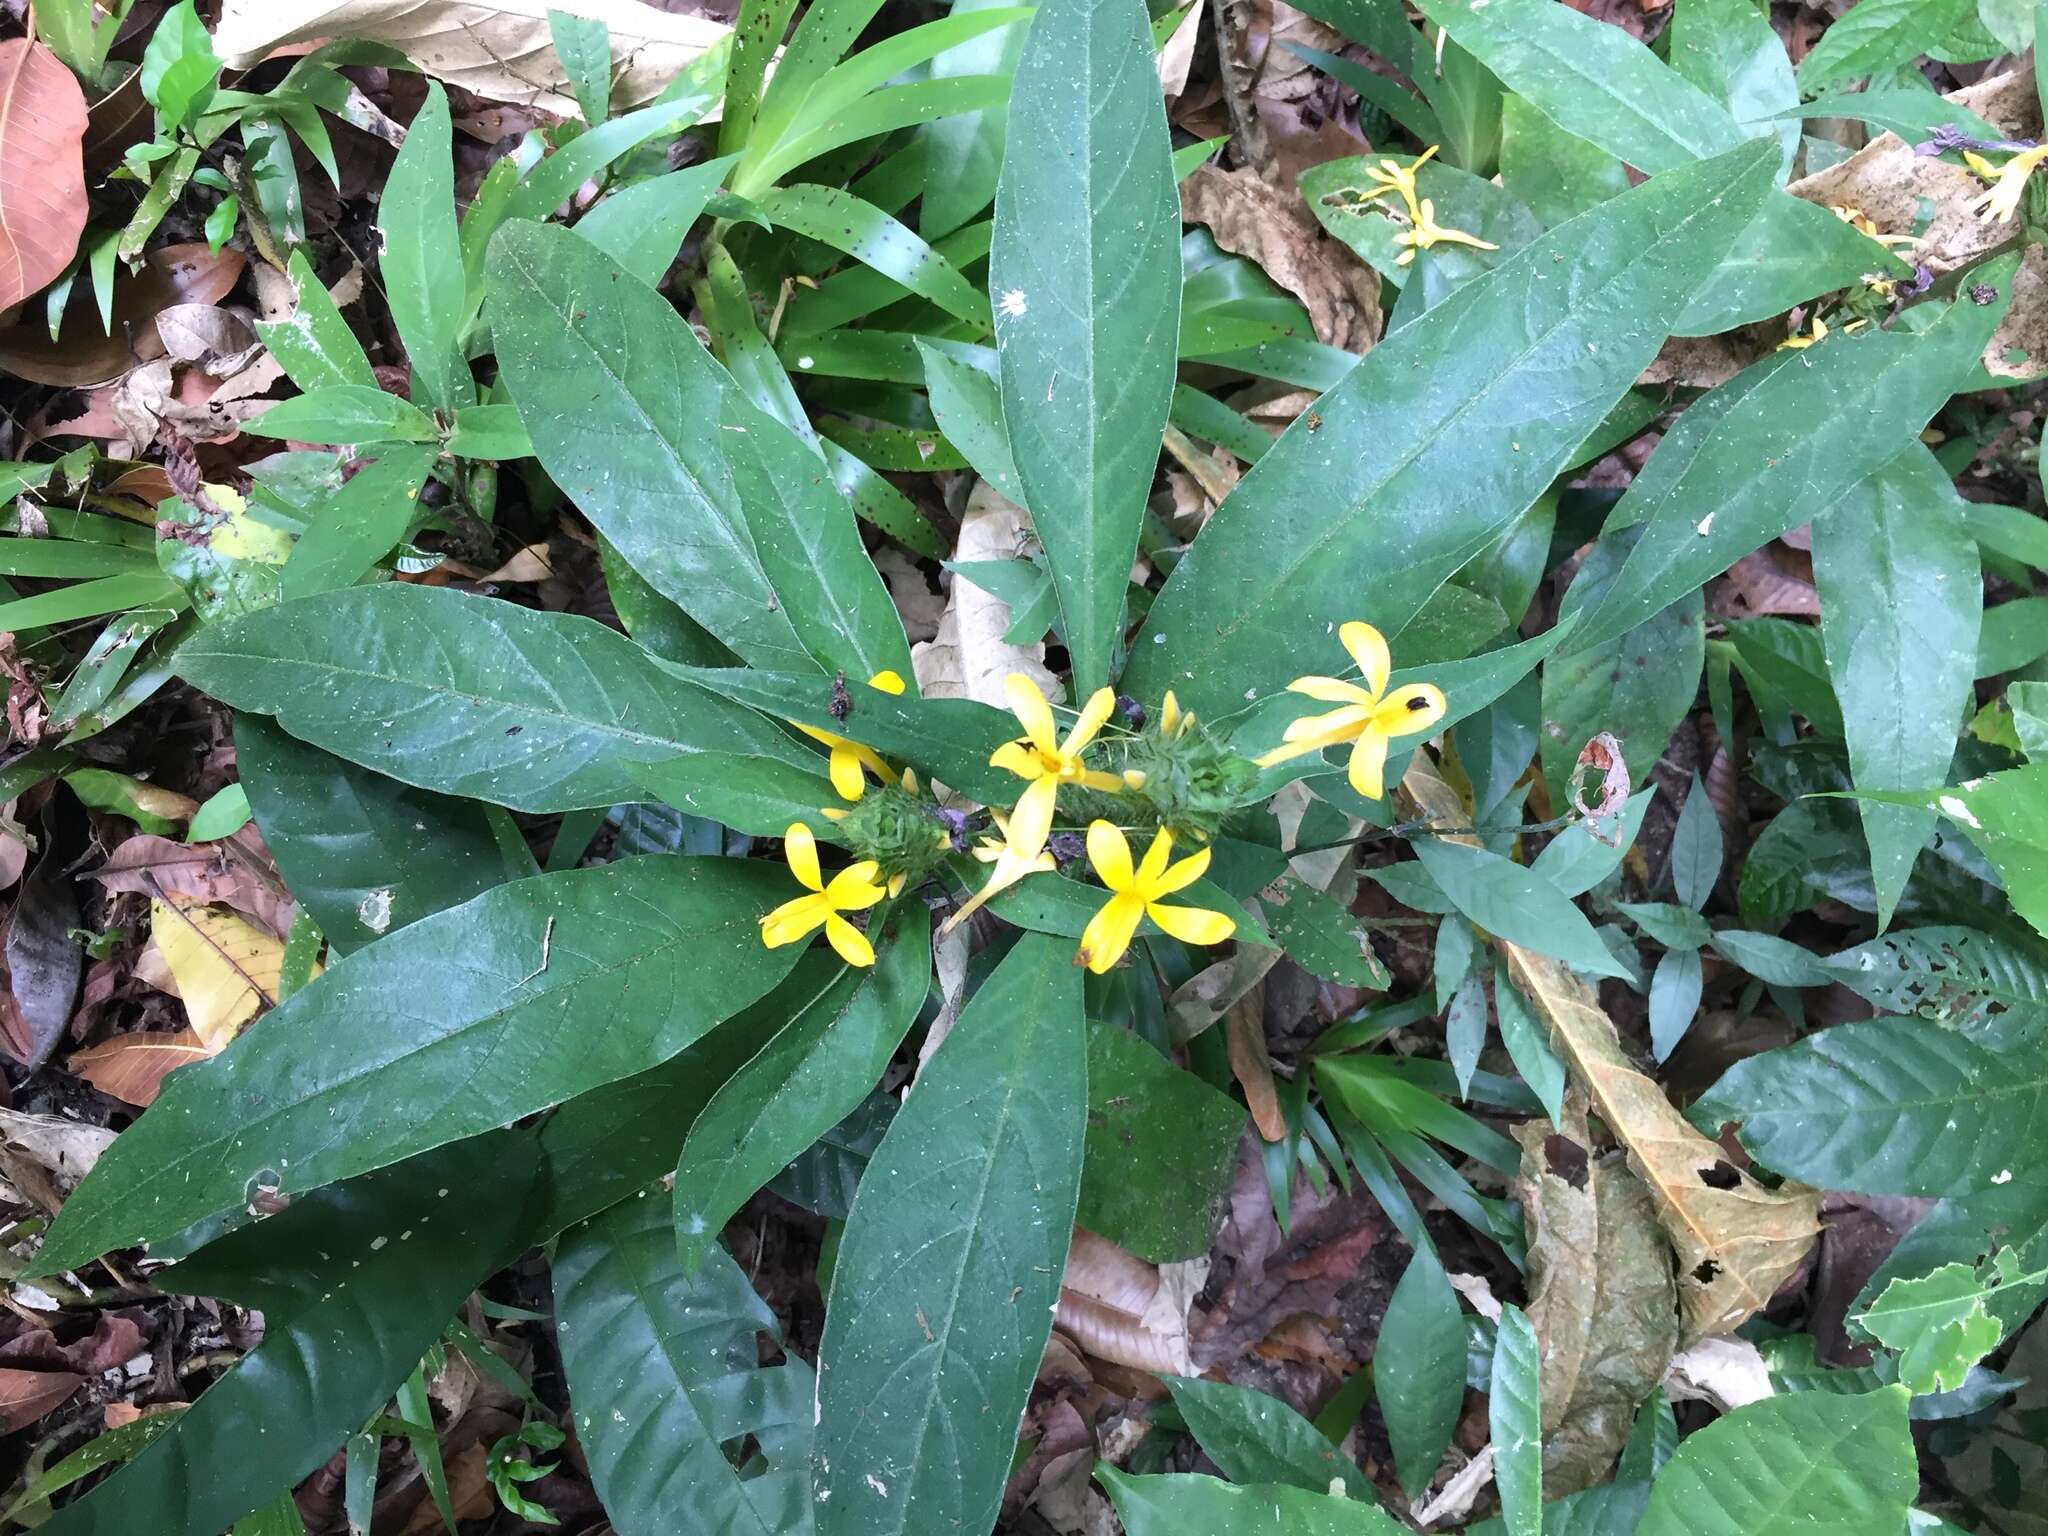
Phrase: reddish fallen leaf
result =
(224, 873)
(26, 1396)
(42, 168)
(132, 1067)
(84, 355)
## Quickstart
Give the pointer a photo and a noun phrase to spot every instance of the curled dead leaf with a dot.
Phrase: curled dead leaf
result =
(1251, 218)
(1119, 1308)
(969, 658)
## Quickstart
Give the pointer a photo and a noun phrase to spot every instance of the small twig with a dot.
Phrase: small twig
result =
(547, 937)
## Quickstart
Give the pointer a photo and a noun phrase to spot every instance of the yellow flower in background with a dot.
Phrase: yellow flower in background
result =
(1046, 761)
(1370, 717)
(1009, 869)
(1134, 896)
(1798, 343)
(1426, 233)
(853, 889)
(850, 757)
(1863, 224)
(2008, 181)
(1391, 177)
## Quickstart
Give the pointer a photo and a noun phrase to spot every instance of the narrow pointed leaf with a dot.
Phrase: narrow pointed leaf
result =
(358, 525)
(1256, 1438)
(422, 257)
(1419, 1370)
(1514, 1414)
(1175, 1504)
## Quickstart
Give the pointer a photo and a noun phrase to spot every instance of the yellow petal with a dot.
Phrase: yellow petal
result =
(1007, 872)
(1110, 853)
(1368, 770)
(849, 941)
(896, 884)
(888, 681)
(793, 920)
(1409, 709)
(1155, 858)
(1108, 933)
(801, 850)
(1192, 925)
(1338, 725)
(1097, 710)
(1018, 758)
(853, 889)
(1031, 710)
(847, 779)
(1179, 877)
(1368, 647)
(1169, 715)
(1109, 783)
(1288, 753)
(1331, 690)
(1031, 818)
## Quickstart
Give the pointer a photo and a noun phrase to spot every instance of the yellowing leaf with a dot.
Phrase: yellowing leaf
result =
(226, 969)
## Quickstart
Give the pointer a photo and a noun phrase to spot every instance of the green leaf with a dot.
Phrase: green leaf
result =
(488, 432)
(102, 1451)
(1175, 1504)
(1368, 513)
(1592, 848)
(348, 414)
(1938, 1324)
(807, 1079)
(1675, 988)
(366, 854)
(1696, 848)
(1465, 1029)
(663, 1371)
(661, 948)
(179, 69)
(1376, 90)
(1969, 1228)
(1515, 904)
(1795, 251)
(355, 1283)
(949, 1268)
(1321, 935)
(1888, 1106)
(963, 152)
(358, 525)
(837, 218)
(555, 180)
(2015, 633)
(1514, 1406)
(1900, 598)
(1419, 1370)
(1528, 1044)
(1256, 1438)
(313, 343)
(719, 506)
(1954, 976)
(2006, 815)
(1086, 272)
(1811, 1462)
(1592, 80)
(225, 812)
(642, 227)
(474, 696)
(1557, 174)
(1729, 50)
(1887, 33)
(422, 258)
(967, 405)
(1770, 958)
(584, 48)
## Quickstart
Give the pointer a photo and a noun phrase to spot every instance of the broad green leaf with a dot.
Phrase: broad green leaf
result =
(358, 525)
(2015, 633)
(1339, 195)
(1967, 1229)
(102, 1451)
(365, 854)
(345, 414)
(643, 227)
(313, 343)
(663, 1372)
(1557, 174)
(1427, 450)
(478, 697)
(1320, 934)
(1900, 597)
(837, 218)
(2006, 817)
(1888, 1106)
(719, 506)
(661, 949)
(1515, 903)
(1729, 50)
(1612, 1509)
(963, 152)
(814, 1073)
(488, 432)
(1085, 270)
(1909, 108)
(1592, 80)
(950, 1264)
(355, 1282)
(1770, 958)
(967, 405)
(1795, 251)
(824, 1177)
(1161, 1149)
(1954, 976)
(1938, 1323)
(1419, 1370)
(1591, 849)
(1884, 34)
(1514, 1405)
(1256, 1438)
(1467, 96)
(1775, 446)
(1175, 1504)
(421, 258)
(179, 68)
(1809, 1462)
(737, 342)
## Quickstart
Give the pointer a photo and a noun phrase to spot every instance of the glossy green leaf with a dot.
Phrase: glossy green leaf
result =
(950, 1263)
(583, 47)
(1794, 251)
(2015, 633)
(1321, 935)
(642, 227)
(354, 1282)
(719, 506)
(421, 257)
(1939, 1325)
(1085, 270)
(345, 414)
(1426, 449)
(1887, 33)
(1729, 49)
(963, 151)
(313, 343)
(1592, 848)
(365, 854)
(2006, 817)
(358, 525)
(1900, 596)
(1954, 976)
(1515, 903)
(1557, 174)
(662, 949)
(1696, 848)
(1256, 1438)
(488, 432)
(837, 218)
(1174, 1504)
(1968, 1229)
(1419, 1370)
(663, 1373)
(474, 696)
(967, 405)
(1807, 1461)
(555, 180)
(1592, 80)
(814, 1073)
(1514, 1407)
(1888, 1106)
(1675, 988)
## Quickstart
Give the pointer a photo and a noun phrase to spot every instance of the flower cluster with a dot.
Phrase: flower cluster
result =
(1173, 775)
(1391, 179)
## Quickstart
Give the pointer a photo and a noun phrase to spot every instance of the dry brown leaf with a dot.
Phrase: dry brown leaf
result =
(1119, 1308)
(26, 1396)
(228, 873)
(1283, 110)
(66, 1148)
(969, 658)
(42, 168)
(1725, 1372)
(1178, 55)
(498, 49)
(1244, 1034)
(132, 1067)
(1251, 218)
(84, 354)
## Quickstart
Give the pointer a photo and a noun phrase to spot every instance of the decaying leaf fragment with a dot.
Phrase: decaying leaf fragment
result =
(226, 969)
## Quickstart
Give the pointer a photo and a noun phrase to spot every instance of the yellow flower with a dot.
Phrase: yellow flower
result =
(853, 889)
(850, 757)
(1047, 761)
(1171, 720)
(1135, 896)
(1798, 343)
(1391, 177)
(1427, 233)
(1009, 869)
(2008, 182)
(1863, 224)
(1370, 717)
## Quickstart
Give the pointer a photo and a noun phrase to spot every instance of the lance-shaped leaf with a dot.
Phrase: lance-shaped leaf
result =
(1175, 1504)
(1085, 270)
(422, 258)
(1256, 1438)
(524, 997)
(943, 1291)
(664, 1374)
(1514, 1414)
(482, 698)
(355, 1282)
(719, 506)
(1439, 437)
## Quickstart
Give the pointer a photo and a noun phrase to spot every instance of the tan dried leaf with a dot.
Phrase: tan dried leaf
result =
(969, 658)
(1121, 1309)
(132, 1067)
(1275, 229)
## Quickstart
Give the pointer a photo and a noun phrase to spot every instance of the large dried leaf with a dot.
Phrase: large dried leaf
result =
(1735, 1239)
(132, 1067)
(1275, 229)
(500, 49)
(226, 968)
(42, 168)
(969, 658)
